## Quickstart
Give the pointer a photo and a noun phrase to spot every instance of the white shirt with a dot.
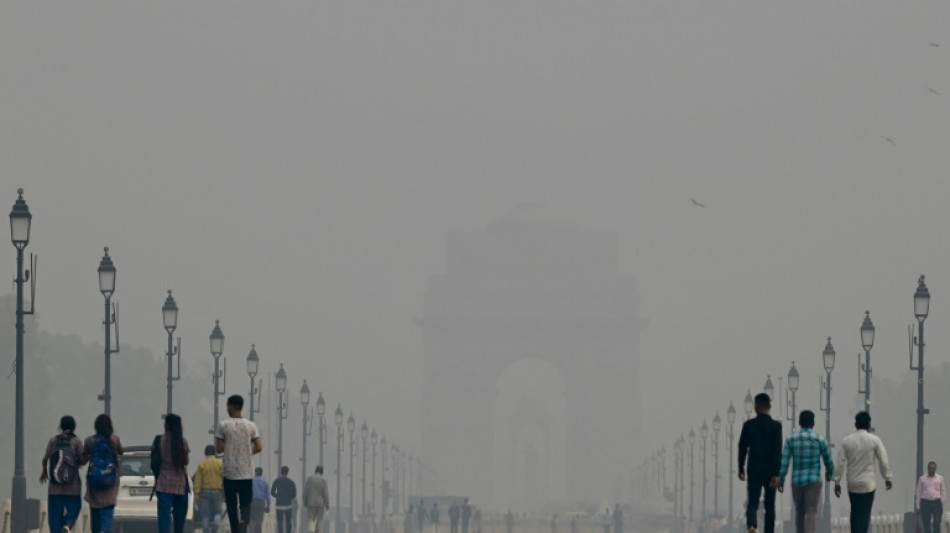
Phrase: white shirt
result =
(238, 435)
(857, 455)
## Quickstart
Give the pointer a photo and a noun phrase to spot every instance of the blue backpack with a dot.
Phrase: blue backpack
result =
(101, 472)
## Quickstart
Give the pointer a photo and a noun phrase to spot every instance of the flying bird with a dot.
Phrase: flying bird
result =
(931, 89)
(696, 203)
(12, 369)
(935, 45)
(888, 139)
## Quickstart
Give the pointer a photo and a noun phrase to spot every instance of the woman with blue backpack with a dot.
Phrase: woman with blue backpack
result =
(102, 451)
(172, 485)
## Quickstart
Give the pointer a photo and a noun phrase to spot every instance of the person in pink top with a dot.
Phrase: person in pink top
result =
(931, 495)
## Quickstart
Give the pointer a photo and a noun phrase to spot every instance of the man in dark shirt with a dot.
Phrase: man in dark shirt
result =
(761, 440)
(284, 490)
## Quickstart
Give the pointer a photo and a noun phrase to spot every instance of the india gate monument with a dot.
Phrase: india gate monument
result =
(531, 364)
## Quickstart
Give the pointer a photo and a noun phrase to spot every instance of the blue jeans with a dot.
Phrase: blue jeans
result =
(169, 506)
(63, 510)
(100, 520)
(209, 502)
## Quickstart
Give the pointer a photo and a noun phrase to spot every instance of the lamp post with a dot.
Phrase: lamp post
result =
(338, 419)
(20, 221)
(351, 427)
(921, 310)
(682, 444)
(703, 434)
(716, 425)
(731, 419)
(170, 319)
(790, 391)
(677, 486)
(692, 481)
(828, 359)
(107, 288)
(306, 432)
(661, 456)
(768, 388)
(364, 436)
(395, 466)
(281, 386)
(321, 424)
(748, 405)
(217, 348)
(382, 477)
(402, 478)
(867, 342)
(253, 364)
(373, 440)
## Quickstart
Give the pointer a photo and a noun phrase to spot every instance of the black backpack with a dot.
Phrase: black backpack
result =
(156, 456)
(63, 463)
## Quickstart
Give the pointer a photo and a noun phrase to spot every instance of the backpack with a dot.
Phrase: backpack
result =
(63, 463)
(155, 460)
(101, 472)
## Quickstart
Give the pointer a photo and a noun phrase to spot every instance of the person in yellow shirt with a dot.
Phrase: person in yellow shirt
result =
(209, 485)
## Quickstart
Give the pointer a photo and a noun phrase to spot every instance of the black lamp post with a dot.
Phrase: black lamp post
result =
(828, 360)
(364, 436)
(321, 424)
(351, 428)
(253, 364)
(20, 221)
(792, 389)
(677, 485)
(217, 348)
(921, 310)
(107, 288)
(768, 388)
(704, 434)
(307, 431)
(402, 478)
(716, 425)
(692, 480)
(748, 404)
(281, 386)
(731, 419)
(384, 493)
(373, 439)
(170, 319)
(867, 342)
(338, 419)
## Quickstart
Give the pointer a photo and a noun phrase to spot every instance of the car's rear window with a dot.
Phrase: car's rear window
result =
(135, 465)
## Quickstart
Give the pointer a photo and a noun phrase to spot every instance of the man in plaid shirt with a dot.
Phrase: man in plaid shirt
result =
(806, 449)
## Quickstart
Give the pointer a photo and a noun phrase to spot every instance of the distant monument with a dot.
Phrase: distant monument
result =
(531, 377)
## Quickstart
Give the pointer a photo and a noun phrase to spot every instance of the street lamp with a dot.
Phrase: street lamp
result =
(921, 310)
(677, 483)
(768, 388)
(338, 419)
(867, 342)
(281, 386)
(20, 221)
(253, 365)
(170, 319)
(716, 425)
(748, 404)
(351, 428)
(217, 348)
(828, 360)
(395, 466)
(307, 431)
(373, 439)
(402, 478)
(384, 494)
(364, 436)
(731, 419)
(107, 288)
(321, 425)
(703, 434)
(692, 481)
(792, 389)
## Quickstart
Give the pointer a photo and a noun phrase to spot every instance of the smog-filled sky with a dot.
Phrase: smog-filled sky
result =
(770, 170)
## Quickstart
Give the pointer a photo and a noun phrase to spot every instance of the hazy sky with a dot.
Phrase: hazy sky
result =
(293, 170)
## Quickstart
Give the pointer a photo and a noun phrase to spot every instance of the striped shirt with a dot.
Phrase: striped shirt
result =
(806, 449)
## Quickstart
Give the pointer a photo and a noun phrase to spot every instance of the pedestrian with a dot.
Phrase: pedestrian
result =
(408, 522)
(605, 521)
(238, 440)
(102, 451)
(454, 518)
(317, 500)
(509, 520)
(466, 516)
(61, 468)
(618, 519)
(434, 517)
(421, 516)
(284, 491)
(760, 441)
(805, 449)
(931, 495)
(574, 523)
(172, 484)
(209, 490)
(857, 456)
(260, 500)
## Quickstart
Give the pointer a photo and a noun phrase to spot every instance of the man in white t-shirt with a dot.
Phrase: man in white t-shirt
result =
(238, 440)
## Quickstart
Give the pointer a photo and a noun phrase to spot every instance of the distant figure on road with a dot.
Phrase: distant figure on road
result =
(806, 449)
(509, 521)
(209, 495)
(760, 441)
(434, 517)
(61, 468)
(607, 520)
(574, 524)
(284, 491)
(421, 516)
(408, 522)
(466, 516)
(260, 501)
(317, 500)
(618, 519)
(554, 523)
(237, 439)
(859, 451)
(931, 495)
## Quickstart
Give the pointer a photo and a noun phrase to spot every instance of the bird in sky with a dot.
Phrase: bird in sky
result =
(935, 45)
(931, 89)
(696, 203)
(888, 139)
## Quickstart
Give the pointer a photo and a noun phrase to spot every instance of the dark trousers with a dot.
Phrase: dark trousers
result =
(285, 519)
(172, 509)
(237, 498)
(754, 486)
(861, 503)
(931, 511)
(63, 510)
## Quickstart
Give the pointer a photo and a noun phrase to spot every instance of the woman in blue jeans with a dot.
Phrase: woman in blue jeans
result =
(101, 500)
(172, 484)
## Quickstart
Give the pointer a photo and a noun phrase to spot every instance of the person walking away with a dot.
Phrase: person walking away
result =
(761, 442)
(605, 521)
(317, 500)
(238, 440)
(618, 519)
(61, 464)
(805, 450)
(172, 484)
(102, 451)
(857, 456)
(466, 516)
(509, 520)
(408, 522)
(284, 490)
(260, 500)
(209, 490)
(434, 517)
(454, 518)
(931, 495)
(574, 524)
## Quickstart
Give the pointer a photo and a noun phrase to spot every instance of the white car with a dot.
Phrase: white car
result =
(133, 510)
